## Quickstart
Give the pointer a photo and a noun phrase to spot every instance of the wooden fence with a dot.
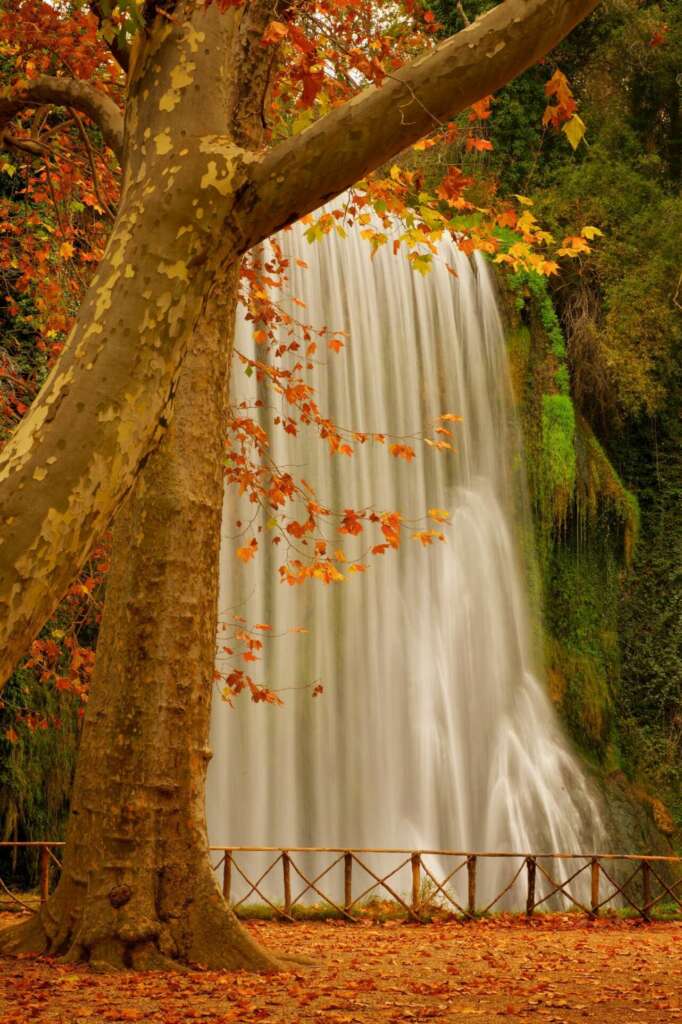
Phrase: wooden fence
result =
(592, 883)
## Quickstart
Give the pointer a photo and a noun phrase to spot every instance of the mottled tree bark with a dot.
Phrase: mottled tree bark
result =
(137, 889)
(195, 197)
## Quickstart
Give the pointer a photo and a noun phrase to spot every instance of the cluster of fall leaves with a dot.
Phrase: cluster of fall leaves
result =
(58, 198)
(557, 971)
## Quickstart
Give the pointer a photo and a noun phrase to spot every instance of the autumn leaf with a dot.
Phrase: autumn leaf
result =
(350, 523)
(275, 33)
(440, 515)
(558, 86)
(424, 144)
(478, 145)
(66, 250)
(428, 536)
(402, 451)
(574, 130)
(246, 553)
(659, 36)
(481, 109)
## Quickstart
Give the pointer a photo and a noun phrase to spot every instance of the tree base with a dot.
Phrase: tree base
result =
(209, 936)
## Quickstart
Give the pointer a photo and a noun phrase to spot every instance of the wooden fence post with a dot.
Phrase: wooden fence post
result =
(347, 881)
(227, 875)
(471, 878)
(286, 877)
(416, 880)
(44, 873)
(646, 890)
(594, 897)
(530, 899)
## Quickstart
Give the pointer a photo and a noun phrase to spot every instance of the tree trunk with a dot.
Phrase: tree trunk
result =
(137, 889)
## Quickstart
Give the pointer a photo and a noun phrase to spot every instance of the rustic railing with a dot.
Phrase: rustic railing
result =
(614, 879)
(641, 883)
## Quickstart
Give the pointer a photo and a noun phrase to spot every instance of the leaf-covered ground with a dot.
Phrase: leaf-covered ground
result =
(557, 970)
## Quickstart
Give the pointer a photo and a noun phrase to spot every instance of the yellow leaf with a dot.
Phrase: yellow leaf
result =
(591, 232)
(66, 250)
(524, 200)
(424, 144)
(574, 130)
(439, 514)
(427, 537)
(526, 222)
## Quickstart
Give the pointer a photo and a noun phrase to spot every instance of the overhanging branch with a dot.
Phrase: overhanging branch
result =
(307, 170)
(68, 92)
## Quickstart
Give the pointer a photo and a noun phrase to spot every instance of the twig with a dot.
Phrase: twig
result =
(7, 140)
(462, 13)
(91, 157)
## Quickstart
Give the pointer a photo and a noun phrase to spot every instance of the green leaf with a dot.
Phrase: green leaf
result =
(421, 262)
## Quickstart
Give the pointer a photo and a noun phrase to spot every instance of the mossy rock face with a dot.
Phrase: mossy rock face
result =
(636, 821)
(584, 697)
(594, 580)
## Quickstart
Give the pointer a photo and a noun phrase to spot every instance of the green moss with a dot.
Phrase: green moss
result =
(599, 487)
(518, 350)
(582, 651)
(558, 453)
(531, 287)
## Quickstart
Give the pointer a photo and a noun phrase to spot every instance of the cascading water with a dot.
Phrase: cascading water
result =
(433, 730)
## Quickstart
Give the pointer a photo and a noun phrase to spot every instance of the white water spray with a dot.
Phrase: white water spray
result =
(434, 730)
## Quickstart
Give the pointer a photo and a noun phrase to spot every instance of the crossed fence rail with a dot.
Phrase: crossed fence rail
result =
(614, 879)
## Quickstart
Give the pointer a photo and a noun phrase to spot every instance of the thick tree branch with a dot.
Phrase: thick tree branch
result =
(68, 92)
(189, 193)
(305, 171)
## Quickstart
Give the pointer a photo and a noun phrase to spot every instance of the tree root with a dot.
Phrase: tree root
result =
(206, 935)
(216, 941)
(27, 936)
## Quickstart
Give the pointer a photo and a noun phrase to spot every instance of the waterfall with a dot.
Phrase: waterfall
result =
(434, 729)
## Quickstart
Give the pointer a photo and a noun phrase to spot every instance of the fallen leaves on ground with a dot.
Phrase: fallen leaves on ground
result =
(559, 970)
